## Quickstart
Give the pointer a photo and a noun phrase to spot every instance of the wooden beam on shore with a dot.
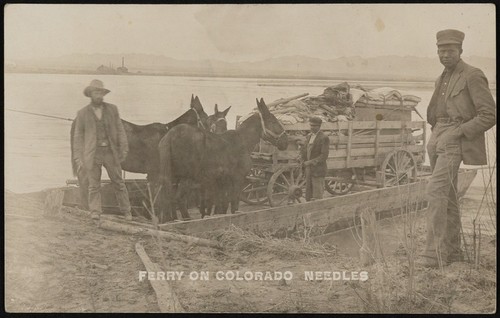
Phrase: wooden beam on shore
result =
(319, 213)
(130, 229)
(167, 300)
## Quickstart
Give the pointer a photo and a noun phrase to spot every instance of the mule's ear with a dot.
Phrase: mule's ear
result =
(216, 110)
(226, 111)
(262, 106)
(192, 100)
(259, 106)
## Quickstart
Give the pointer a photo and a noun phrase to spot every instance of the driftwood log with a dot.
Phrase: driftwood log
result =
(131, 229)
(167, 300)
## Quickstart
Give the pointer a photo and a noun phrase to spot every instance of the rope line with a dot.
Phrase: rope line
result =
(37, 114)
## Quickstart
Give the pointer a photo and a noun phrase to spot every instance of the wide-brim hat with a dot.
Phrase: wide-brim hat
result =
(450, 37)
(95, 85)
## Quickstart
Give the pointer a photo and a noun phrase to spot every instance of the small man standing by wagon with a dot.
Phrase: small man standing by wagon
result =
(461, 110)
(100, 140)
(314, 154)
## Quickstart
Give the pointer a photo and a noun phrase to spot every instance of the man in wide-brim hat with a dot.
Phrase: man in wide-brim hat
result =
(95, 85)
(100, 140)
(461, 110)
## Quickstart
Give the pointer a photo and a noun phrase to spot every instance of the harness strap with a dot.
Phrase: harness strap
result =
(267, 132)
(199, 122)
(213, 126)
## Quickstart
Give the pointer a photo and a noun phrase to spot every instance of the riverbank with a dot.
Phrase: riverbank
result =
(61, 262)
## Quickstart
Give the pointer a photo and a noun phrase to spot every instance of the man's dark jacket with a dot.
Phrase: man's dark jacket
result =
(319, 154)
(85, 138)
(468, 96)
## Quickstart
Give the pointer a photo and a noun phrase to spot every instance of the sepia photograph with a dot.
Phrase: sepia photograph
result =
(250, 158)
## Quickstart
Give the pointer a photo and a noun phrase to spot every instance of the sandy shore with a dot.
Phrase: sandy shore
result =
(65, 263)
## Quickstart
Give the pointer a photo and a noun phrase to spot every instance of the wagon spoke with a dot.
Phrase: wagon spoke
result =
(391, 166)
(399, 168)
(283, 200)
(286, 180)
(282, 186)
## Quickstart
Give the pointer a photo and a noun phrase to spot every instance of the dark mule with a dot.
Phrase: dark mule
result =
(143, 140)
(217, 122)
(218, 162)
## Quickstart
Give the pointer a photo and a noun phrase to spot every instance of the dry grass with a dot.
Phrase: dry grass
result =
(235, 238)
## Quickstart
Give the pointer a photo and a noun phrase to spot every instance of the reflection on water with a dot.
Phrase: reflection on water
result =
(37, 149)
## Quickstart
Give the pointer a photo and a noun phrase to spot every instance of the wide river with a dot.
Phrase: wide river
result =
(37, 149)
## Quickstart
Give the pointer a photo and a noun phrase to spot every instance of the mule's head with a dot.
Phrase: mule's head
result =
(200, 113)
(217, 122)
(272, 130)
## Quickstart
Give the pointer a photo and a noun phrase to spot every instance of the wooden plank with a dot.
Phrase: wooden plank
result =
(288, 216)
(349, 144)
(167, 300)
(377, 138)
(340, 163)
(399, 197)
(424, 138)
(358, 125)
(369, 146)
(342, 153)
(368, 113)
(365, 139)
(131, 229)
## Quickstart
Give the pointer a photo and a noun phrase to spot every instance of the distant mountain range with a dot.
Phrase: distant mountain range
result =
(383, 67)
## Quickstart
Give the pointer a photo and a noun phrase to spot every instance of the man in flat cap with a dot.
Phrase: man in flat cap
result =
(100, 140)
(461, 110)
(314, 154)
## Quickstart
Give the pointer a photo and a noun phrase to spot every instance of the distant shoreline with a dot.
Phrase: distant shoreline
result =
(422, 82)
(186, 74)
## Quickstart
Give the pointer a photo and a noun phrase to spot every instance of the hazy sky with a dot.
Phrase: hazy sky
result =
(244, 32)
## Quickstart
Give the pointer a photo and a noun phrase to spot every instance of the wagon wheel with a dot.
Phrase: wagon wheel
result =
(399, 167)
(255, 190)
(339, 187)
(286, 186)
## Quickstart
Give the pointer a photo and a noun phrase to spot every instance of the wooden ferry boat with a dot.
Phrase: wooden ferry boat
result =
(327, 215)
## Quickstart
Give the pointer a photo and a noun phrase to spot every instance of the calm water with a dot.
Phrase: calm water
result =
(37, 149)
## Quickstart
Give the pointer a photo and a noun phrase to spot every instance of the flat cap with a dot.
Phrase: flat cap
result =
(315, 120)
(450, 36)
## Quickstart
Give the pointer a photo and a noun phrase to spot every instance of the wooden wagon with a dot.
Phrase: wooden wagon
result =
(383, 147)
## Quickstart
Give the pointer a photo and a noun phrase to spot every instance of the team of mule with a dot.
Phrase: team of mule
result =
(195, 149)
(218, 162)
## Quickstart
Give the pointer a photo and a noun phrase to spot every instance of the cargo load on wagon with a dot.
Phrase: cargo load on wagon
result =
(345, 102)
